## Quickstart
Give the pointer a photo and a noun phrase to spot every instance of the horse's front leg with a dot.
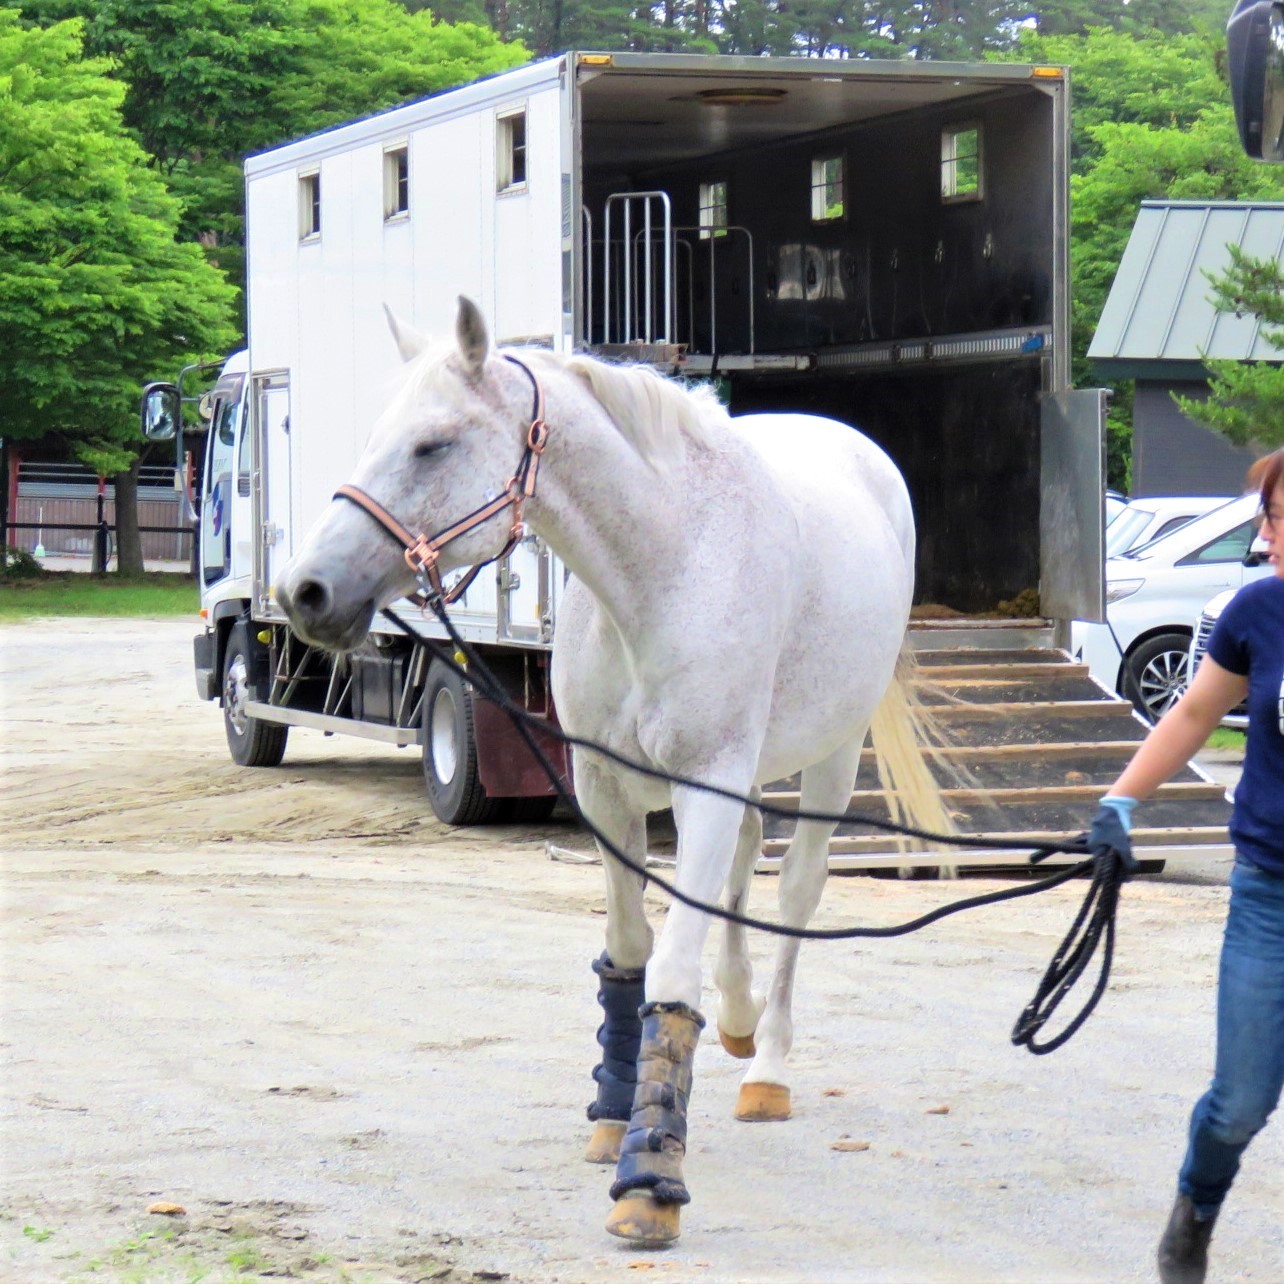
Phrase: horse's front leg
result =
(649, 1189)
(621, 968)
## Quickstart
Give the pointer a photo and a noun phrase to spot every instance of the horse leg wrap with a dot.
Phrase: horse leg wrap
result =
(619, 1036)
(656, 1142)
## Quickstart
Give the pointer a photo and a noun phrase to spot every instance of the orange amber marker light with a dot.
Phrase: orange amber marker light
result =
(1047, 73)
(204, 613)
(596, 60)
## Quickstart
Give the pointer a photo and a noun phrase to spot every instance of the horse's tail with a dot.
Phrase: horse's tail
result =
(901, 730)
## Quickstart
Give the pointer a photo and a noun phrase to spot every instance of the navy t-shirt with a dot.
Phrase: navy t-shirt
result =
(1249, 640)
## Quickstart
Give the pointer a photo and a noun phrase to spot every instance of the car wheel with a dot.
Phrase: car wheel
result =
(451, 777)
(1159, 668)
(251, 741)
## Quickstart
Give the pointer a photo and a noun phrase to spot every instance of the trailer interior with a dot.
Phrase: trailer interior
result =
(877, 243)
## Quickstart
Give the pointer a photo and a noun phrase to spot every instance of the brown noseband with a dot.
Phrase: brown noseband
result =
(422, 552)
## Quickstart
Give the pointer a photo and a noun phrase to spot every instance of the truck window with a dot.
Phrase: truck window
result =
(243, 458)
(827, 189)
(961, 162)
(713, 209)
(396, 182)
(216, 503)
(510, 159)
(309, 206)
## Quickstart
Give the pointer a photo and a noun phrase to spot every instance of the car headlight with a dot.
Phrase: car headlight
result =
(1117, 590)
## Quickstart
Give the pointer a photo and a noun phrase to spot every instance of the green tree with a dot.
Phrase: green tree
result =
(1151, 120)
(1246, 398)
(96, 294)
(210, 81)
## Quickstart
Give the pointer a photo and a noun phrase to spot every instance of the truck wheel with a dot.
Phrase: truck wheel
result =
(251, 741)
(1160, 669)
(450, 752)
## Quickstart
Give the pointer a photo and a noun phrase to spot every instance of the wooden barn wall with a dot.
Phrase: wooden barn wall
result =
(1174, 455)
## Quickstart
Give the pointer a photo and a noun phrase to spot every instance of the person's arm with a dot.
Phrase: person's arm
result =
(1182, 731)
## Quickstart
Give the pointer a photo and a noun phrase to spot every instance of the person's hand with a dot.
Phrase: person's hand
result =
(1109, 831)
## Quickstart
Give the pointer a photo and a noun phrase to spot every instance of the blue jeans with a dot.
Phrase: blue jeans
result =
(1250, 1038)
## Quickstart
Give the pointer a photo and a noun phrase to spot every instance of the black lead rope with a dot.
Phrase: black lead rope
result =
(1094, 923)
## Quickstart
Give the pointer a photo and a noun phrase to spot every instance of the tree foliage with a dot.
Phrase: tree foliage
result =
(1246, 398)
(96, 294)
(208, 82)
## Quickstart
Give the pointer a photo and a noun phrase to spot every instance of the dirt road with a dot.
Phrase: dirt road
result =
(355, 1046)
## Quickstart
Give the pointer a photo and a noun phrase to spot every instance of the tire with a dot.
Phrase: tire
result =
(454, 786)
(251, 741)
(1160, 668)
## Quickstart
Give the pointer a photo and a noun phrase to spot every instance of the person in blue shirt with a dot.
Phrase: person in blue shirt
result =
(1245, 658)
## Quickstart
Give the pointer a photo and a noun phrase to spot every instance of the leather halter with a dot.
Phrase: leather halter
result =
(422, 552)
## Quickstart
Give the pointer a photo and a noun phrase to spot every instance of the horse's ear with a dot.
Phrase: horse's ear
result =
(410, 343)
(471, 332)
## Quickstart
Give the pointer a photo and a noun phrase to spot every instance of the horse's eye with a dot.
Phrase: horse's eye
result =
(430, 449)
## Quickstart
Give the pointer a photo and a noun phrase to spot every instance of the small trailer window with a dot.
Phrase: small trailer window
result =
(827, 202)
(961, 163)
(309, 206)
(510, 160)
(396, 182)
(713, 209)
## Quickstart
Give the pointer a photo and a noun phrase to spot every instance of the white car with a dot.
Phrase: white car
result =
(1152, 518)
(1154, 594)
(1208, 617)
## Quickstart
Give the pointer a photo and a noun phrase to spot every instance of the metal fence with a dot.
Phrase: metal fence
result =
(59, 508)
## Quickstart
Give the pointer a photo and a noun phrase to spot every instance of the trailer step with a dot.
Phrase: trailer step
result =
(1031, 744)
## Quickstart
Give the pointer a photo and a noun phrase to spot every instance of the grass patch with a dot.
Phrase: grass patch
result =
(1226, 738)
(71, 593)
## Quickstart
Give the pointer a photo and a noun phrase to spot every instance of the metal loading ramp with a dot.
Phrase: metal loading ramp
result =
(1038, 742)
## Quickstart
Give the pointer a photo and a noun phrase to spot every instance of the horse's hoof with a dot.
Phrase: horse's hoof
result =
(604, 1144)
(739, 1045)
(638, 1218)
(763, 1102)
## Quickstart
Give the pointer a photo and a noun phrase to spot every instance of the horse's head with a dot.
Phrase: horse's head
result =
(448, 442)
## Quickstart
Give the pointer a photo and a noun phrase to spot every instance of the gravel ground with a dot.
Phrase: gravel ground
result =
(354, 1045)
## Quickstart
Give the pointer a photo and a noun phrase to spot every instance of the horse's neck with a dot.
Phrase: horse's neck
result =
(603, 509)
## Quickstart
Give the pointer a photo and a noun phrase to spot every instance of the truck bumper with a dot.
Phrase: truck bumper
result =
(203, 651)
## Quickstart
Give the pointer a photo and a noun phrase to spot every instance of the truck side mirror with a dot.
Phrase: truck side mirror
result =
(1255, 51)
(162, 411)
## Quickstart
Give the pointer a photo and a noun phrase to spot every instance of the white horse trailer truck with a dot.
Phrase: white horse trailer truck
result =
(883, 242)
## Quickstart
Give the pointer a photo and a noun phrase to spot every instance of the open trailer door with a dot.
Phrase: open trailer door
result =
(1072, 505)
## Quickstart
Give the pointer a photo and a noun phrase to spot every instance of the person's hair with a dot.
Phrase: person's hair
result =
(1266, 474)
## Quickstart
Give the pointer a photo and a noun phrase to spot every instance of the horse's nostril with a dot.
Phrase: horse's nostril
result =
(312, 597)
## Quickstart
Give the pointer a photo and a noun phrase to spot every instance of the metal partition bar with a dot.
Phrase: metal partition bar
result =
(586, 219)
(650, 326)
(713, 293)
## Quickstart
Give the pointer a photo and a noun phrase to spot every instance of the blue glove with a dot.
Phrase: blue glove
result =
(1109, 830)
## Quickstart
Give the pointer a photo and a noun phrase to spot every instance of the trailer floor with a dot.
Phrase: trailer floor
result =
(354, 1046)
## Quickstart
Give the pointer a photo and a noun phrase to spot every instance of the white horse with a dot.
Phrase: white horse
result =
(738, 606)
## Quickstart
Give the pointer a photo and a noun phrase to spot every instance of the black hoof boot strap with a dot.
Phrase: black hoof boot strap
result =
(653, 1148)
(619, 1035)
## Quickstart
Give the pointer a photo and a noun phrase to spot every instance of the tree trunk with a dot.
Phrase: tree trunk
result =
(129, 544)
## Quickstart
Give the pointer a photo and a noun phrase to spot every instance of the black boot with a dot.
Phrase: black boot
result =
(1183, 1250)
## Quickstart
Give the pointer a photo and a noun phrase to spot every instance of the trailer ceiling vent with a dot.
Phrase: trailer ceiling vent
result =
(741, 97)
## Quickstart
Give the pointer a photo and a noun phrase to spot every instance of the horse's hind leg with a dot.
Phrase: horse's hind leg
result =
(826, 786)
(738, 1007)
(621, 969)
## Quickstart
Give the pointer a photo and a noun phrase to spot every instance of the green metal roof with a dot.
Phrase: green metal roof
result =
(1160, 309)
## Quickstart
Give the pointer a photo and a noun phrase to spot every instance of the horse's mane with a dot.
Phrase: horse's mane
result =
(655, 415)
